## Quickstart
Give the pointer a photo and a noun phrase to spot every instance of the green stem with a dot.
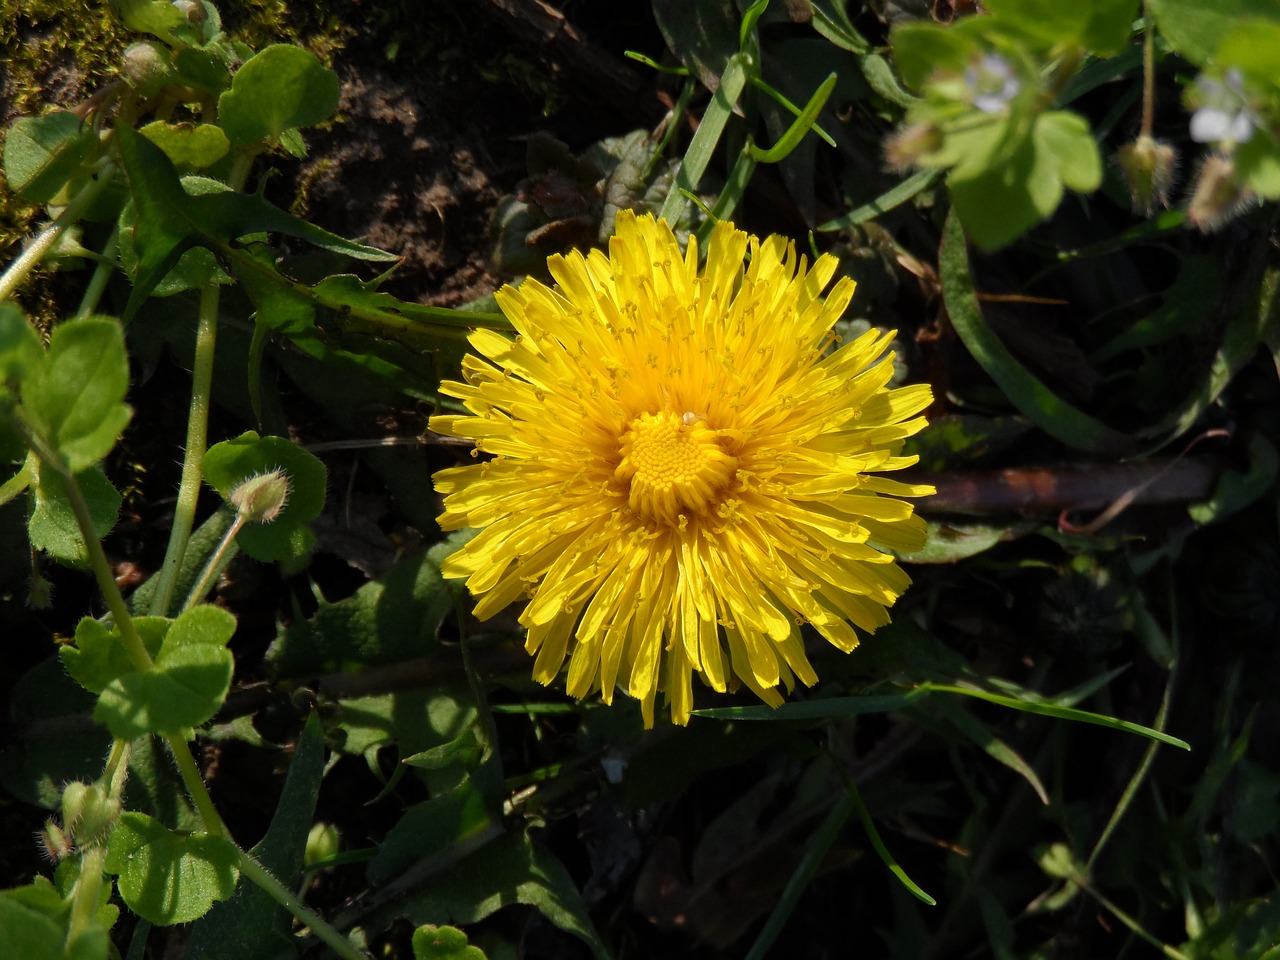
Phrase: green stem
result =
(45, 240)
(196, 787)
(1148, 71)
(88, 888)
(184, 512)
(101, 274)
(18, 482)
(259, 875)
(215, 562)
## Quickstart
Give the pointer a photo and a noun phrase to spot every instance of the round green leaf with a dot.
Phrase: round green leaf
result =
(188, 145)
(20, 348)
(53, 527)
(76, 398)
(98, 656)
(443, 943)
(230, 463)
(280, 88)
(167, 878)
(28, 934)
(1063, 138)
(184, 688)
(1195, 28)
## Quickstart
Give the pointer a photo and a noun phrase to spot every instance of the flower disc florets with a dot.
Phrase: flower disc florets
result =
(680, 473)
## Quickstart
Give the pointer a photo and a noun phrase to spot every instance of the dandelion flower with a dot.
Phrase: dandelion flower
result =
(681, 468)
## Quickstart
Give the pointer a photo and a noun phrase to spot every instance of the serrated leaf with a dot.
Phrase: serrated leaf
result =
(281, 88)
(184, 688)
(42, 153)
(75, 398)
(167, 878)
(230, 463)
(52, 526)
(188, 145)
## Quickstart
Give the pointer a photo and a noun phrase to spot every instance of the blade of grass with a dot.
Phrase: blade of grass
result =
(815, 850)
(815, 709)
(1060, 712)
(895, 197)
(703, 145)
(1024, 390)
(881, 850)
(802, 124)
(977, 732)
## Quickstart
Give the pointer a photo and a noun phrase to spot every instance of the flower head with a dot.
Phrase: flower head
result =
(1224, 114)
(992, 83)
(681, 470)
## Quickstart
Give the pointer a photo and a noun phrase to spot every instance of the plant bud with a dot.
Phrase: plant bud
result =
(1218, 197)
(88, 813)
(323, 842)
(146, 67)
(259, 499)
(911, 144)
(75, 795)
(54, 841)
(1148, 165)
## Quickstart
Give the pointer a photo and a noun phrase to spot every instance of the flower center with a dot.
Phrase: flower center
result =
(674, 465)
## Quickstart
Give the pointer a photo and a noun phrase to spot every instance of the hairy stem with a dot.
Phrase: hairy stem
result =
(259, 875)
(101, 274)
(184, 512)
(215, 562)
(44, 241)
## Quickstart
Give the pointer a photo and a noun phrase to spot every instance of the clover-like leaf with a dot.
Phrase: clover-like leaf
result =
(281, 88)
(232, 462)
(185, 686)
(167, 878)
(188, 145)
(98, 655)
(1066, 139)
(75, 398)
(52, 526)
(42, 153)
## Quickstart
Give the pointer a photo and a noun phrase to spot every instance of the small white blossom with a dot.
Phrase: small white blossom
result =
(1224, 114)
(992, 82)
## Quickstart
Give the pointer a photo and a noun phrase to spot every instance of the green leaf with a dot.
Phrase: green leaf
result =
(1258, 165)
(53, 740)
(230, 463)
(52, 526)
(27, 933)
(1195, 28)
(156, 17)
(167, 878)
(98, 656)
(978, 733)
(920, 48)
(75, 399)
(170, 221)
(279, 89)
(1109, 26)
(195, 268)
(431, 827)
(1235, 490)
(952, 541)
(41, 154)
(1064, 138)
(443, 943)
(20, 348)
(392, 618)
(236, 928)
(1025, 391)
(186, 685)
(188, 145)
(1000, 201)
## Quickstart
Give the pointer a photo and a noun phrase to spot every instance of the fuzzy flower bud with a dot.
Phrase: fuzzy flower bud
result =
(54, 841)
(911, 144)
(1218, 196)
(260, 498)
(1148, 165)
(146, 67)
(88, 813)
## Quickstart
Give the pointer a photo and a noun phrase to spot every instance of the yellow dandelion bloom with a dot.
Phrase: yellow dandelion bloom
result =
(681, 471)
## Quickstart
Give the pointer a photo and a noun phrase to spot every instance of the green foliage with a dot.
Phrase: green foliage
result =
(166, 877)
(448, 787)
(184, 687)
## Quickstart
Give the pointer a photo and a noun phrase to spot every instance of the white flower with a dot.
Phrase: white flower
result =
(992, 82)
(1224, 115)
